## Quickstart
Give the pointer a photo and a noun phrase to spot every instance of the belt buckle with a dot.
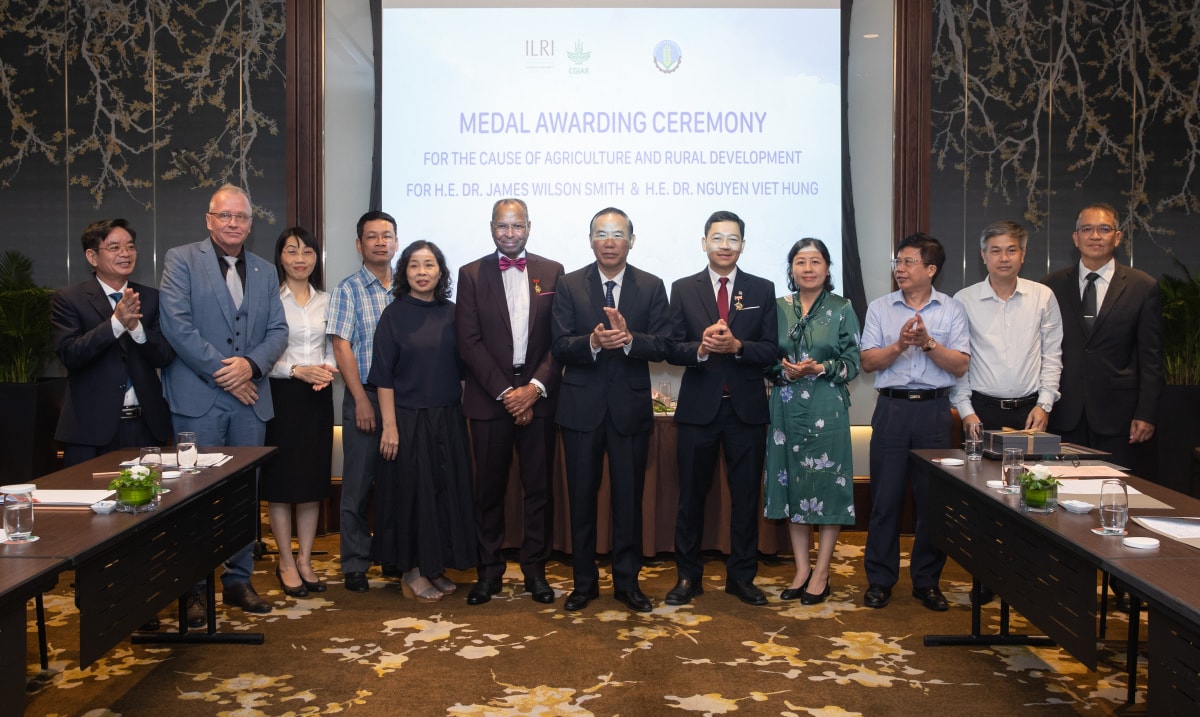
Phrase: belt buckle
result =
(1009, 404)
(914, 395)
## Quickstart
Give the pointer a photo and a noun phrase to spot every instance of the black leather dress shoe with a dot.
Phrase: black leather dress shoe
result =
(317, 587)
(483, 590)
(579, 599)
(242, 595)
(877, 596)
(684, 591)
(931, 598)
(357, 582)
(808, 598)
(540, 590)
(745, 591)
(197, 610)
(634, 599)
(796, 593)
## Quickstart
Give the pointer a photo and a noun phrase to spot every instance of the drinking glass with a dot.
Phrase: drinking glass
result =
(973, 442)
(1012, 469)
(664, 389)
(18, 512)
(1114, 507)
(151, 457)
(186, 452)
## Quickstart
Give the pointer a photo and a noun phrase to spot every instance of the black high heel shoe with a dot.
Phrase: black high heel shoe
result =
(796, 593)
(313, 587)
(296, 592)
(810, 599)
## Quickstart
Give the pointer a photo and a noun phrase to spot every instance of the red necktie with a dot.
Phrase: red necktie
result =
(723, 300)
(505, 263)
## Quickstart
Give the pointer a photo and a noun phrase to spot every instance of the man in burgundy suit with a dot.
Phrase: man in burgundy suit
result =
(503, 316)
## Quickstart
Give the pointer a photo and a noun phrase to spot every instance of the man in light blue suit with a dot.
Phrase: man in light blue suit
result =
(220, 311)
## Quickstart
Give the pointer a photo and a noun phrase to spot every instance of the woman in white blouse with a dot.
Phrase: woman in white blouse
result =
(299, 475)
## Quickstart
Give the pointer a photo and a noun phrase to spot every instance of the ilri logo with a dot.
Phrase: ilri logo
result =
(539, 48)
(578, 57)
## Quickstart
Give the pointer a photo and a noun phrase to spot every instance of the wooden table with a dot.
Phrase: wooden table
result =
(128, 567)
(20, 580)
(1046, 565)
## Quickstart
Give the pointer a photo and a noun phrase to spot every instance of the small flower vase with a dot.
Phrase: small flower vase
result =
(135, 500)
(1039, 500)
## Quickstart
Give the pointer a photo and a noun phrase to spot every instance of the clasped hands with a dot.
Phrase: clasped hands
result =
(235, 377)
(614, 338)
(914, 333)
(718, 339)
(319, 375)
(807, 367)
(128, 310)
(519, 403)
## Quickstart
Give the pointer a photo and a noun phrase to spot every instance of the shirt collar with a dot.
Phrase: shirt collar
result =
(1106, 272)
(715, 279)
(111, 290)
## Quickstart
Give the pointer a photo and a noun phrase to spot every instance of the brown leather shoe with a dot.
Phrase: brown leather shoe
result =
(242, 595)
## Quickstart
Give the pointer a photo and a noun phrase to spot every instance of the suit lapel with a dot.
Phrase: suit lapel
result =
(217, 286)
(493, 288)
(1115, 288)
(1074, 307)
(98, 301)
(533, 267)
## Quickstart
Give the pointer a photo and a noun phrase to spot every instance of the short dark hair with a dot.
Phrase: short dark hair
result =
(373, 216)
(931, 250)
(609, 210)
(723, 216)
(509, 200)
(804, 244)
(441, 290)
(1104, 207)
(308, 239)
(95, 232)
(1003, 228)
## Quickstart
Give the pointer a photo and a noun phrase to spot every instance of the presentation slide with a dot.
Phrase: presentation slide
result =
(668, 113)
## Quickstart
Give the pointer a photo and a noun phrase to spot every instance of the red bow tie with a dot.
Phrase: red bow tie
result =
(505, 263)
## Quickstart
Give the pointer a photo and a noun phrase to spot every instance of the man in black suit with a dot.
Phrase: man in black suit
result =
(610, 320)
(502, 316)
(105, 331)
(1112, 343)
(723, 330)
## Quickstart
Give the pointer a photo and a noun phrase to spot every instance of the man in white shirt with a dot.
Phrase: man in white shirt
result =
(1016, 340)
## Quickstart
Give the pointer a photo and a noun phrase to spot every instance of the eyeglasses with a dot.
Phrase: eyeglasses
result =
(733, 241)
(510, 227)
(1101, 229)
(386, 236)
(226, 217)
(119, 249)
(601, 236)
(907, 263)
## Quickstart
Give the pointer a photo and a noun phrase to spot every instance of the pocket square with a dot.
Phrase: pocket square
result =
(747, 308)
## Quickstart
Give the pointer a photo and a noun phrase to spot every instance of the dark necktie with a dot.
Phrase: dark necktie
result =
(506, 264)
(116, 297)
(723, 299)
(609, 301)
(1089, 300)
(233, 281)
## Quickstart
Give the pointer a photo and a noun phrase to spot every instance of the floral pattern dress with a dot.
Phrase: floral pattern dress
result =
(810, 468)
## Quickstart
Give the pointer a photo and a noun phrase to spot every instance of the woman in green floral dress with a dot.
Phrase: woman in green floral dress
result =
(810, 472)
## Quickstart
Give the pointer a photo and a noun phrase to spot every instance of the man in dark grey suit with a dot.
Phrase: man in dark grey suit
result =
(723, 330)
(610, 320)
(222, 314)
(106, 333)
(1112, 371)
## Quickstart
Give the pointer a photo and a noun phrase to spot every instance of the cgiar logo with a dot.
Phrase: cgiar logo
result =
(667, 56)
(578, 58)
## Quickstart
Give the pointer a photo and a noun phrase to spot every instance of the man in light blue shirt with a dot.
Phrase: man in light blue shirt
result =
(917, 342)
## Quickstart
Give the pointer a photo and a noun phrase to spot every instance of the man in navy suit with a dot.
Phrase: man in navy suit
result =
(105, 331)
(1112, 373)
(723, 330)
(502, 315)
(610, 320)
(222, 314)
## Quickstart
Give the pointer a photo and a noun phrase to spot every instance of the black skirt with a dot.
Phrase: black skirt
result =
(303, 431)
(424, 515)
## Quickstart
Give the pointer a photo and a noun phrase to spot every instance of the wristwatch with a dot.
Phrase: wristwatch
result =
(1047, 407)
(540, 392)
(930, 345)
(292, 372)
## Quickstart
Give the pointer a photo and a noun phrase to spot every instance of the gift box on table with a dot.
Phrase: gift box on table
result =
(1028, 441)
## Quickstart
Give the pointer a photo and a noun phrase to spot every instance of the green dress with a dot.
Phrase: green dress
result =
(810, 461)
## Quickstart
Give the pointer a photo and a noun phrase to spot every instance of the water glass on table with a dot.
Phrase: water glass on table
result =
(1011, 467)
(1114, 507)
(973, 442)
(151, 457)
(186, 452)
(18, 512)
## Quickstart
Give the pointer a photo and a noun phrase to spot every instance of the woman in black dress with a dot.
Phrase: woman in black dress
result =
(424, 519)
(299, 475)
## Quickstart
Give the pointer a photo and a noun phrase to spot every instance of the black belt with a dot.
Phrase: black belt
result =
(131, 412)
(518, 369)
(1007, 404)
(914, 394)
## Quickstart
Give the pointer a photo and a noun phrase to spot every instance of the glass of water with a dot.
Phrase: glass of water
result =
(973, 442)
(186, 452)
(1114, 507)
(18, 512)
(1012, 468)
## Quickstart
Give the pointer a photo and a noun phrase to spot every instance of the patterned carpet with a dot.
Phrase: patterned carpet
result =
(379, 654)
